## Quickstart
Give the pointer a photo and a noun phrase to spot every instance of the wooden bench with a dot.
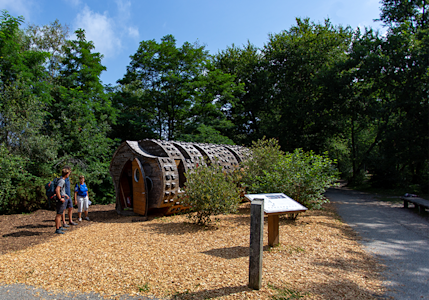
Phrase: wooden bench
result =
(420, 203)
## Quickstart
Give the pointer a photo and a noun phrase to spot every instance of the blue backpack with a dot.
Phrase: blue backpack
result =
(50, 191)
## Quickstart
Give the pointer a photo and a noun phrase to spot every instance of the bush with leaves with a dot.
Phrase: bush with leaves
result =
(303, 176)
(209, 191)
(266, 154)
(20, 190)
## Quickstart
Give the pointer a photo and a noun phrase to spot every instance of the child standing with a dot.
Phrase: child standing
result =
(81, 198)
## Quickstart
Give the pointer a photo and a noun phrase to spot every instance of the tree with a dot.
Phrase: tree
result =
(414, 13)
(364, 112)
(25, 150)
(206, 121)
(248, 108)
(49, 39)
(135, 120)
(162, 76)
(298, 64)
(170, 92)
(82, 115)
(18, 60)
(205, 134)
(405, 81)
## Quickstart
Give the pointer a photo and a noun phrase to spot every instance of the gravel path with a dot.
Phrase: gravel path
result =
(25, 292)
(399, 237)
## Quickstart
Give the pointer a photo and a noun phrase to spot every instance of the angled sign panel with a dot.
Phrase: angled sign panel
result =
(277, 203)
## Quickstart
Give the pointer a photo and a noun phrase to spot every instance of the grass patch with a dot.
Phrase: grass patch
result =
(144, 288)
(286, 293)
(286, 248)
(164, 219)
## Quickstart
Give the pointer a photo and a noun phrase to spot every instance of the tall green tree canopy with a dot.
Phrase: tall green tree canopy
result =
(82, 113)
(404, 80)
(169, 91)
(51, 39)
(299, 63)
(25, 149)
(247, 110)
(413, 12)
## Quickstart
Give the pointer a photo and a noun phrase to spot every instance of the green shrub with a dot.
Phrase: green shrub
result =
(20, 190)
(266, 154)
(209, 191)
(303, 176)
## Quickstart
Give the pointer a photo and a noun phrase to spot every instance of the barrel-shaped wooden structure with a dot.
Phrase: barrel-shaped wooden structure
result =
(149, 174)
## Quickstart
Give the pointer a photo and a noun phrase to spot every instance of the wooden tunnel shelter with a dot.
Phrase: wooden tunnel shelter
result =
(149, 174)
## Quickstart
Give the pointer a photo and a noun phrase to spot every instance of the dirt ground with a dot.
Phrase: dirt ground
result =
(21, 231)
(319, 257)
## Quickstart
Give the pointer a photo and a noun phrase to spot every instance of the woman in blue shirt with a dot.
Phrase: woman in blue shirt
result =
(81, 198)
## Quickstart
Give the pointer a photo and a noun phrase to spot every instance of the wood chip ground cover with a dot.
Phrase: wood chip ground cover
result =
(319, 258)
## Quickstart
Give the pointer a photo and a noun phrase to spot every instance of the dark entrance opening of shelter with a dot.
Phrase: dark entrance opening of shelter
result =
(181, 170)
(126, 187)
(132, 186)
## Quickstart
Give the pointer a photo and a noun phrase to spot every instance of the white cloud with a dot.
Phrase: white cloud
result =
(18, 7)
(107, 32)
(124, 16)
(133, 32)
(124, 8)
(73, 2)
(100, 29)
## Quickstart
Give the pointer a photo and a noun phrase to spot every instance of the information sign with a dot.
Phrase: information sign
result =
(277, 203)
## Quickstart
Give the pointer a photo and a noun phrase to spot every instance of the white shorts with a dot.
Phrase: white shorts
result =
(82, 203)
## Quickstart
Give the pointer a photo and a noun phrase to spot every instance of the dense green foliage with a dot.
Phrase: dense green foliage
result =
(359, 95)
(304, 176)
(53, 112)
(209, 191)
(173, 93)
(82, 115)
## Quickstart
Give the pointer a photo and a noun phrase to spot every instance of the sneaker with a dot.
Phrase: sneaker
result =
(86, 218)
(66, 225)
(58, 231)
(80, 219)
(62, 229)
(72, 223)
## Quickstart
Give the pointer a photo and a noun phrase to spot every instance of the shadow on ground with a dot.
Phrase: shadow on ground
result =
(208, 294)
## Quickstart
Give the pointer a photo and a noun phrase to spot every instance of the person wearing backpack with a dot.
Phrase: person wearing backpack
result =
(81, 198)
(50, 191)
(69, 203)
(60, 192)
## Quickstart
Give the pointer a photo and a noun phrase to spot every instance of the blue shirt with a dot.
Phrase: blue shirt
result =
(82, 191)
(67, 186)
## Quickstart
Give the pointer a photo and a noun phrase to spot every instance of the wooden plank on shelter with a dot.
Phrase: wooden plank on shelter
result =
(139, 189)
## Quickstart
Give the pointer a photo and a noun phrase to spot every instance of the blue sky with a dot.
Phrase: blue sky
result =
(117, 26)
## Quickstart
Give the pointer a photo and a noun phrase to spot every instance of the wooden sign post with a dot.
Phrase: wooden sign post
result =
(273, 230)
(256, 243)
